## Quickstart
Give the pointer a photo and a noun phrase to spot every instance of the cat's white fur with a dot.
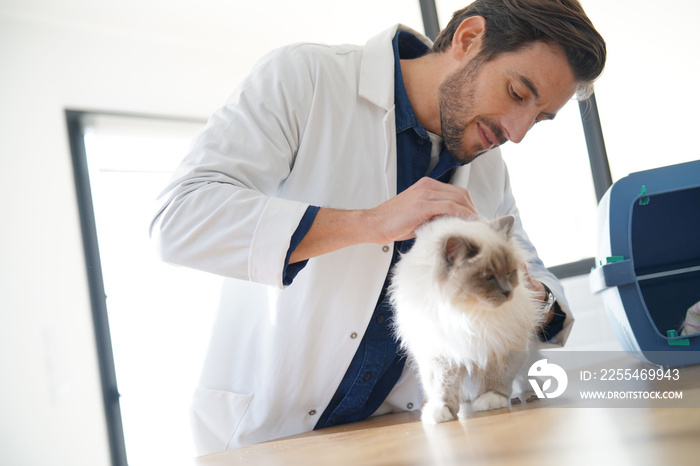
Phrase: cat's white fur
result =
(464, 348)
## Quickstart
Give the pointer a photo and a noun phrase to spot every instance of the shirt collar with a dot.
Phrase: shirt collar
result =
(406, 46)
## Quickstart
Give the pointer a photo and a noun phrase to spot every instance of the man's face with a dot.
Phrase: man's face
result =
(485, 104)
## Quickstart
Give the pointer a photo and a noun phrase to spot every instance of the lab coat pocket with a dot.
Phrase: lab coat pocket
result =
(215, 416)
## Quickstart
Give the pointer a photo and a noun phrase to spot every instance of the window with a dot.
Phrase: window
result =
(646, 95)
(551, 179)
(159, 316)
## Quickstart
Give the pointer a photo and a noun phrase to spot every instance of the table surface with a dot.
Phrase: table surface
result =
(537, 432)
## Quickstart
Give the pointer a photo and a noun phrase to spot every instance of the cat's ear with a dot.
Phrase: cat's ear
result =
(457, 247)
(504, 225)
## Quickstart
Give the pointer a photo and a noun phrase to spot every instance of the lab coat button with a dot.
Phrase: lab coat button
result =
(353, 335)
(385, 248)
(312, 412)
(409, 406)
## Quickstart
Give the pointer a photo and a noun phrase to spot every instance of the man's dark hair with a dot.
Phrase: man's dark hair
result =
(514, 24)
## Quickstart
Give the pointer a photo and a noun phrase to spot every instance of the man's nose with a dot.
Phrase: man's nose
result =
(518, 124)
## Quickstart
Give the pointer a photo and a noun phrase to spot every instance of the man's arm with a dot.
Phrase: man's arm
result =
(394, 220)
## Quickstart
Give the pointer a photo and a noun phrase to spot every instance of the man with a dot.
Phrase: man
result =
(309, 182)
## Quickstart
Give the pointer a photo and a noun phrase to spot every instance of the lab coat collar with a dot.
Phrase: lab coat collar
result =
(377, 69)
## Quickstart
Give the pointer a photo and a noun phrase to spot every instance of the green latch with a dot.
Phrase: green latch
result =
(611, 259)
(643, 198)
(677, 342)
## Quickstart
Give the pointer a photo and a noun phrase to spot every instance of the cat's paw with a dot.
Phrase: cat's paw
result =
(489, 400)
(435, 413)
(464, 411)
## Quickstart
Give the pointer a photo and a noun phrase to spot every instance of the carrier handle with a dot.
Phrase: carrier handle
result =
(616, 272)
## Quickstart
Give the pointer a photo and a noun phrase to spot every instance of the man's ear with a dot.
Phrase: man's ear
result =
(467, 37)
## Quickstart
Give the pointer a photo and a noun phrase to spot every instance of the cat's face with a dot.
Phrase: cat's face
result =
(485, 269)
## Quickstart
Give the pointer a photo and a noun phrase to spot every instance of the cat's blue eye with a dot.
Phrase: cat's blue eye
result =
(488, 277)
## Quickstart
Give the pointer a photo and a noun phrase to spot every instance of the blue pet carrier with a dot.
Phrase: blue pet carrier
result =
(648, 264)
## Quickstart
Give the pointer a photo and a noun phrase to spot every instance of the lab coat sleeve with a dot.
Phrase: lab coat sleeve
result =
(220, 212)
(535, 266)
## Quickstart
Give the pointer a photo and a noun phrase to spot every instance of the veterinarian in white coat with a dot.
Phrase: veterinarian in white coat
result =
(312, 124)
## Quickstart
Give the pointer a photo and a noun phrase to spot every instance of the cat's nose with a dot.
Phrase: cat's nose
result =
(506, 293)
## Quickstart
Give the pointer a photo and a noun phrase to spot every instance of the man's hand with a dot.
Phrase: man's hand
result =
(398, 218)
(393, 220)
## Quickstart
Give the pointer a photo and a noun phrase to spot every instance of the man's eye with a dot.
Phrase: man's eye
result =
(515, 95)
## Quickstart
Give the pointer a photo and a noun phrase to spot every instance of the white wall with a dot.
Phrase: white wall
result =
(180, 58)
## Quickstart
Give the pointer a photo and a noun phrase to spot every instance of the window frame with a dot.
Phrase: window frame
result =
(98, 298)
(76, 125)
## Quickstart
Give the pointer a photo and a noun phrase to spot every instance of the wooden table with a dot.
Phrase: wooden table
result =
(540, 432)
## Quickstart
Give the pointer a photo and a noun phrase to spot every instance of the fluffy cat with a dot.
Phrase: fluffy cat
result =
(463, 314)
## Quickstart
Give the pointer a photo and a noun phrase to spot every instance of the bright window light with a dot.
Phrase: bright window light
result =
(159, 315)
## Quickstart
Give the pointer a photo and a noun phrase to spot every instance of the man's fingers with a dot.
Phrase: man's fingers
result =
(436, 191)
(398, 218)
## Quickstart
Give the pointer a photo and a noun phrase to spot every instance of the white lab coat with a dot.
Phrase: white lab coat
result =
(312, 124)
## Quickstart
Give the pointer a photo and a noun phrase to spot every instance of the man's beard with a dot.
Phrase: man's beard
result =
(457, 95)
